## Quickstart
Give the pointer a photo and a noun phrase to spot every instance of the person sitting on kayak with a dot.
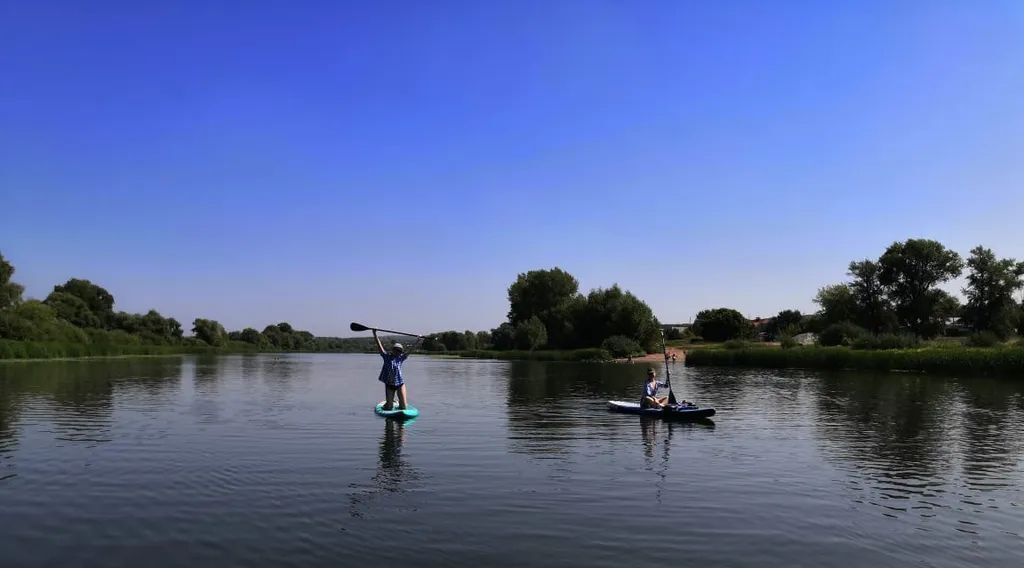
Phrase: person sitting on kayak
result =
(391, 374)
(651, 398)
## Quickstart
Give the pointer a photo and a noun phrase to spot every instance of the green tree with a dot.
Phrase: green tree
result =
(275, 337)
(434, 343)
(100, 302)
(10, 292)
(470, 339)
(910, 271)
(209, 331)
(946, 308)
(503, 337)
(991, 284)
(454, 340)
(613, 311)
(483, 340)
(530, 334)
(786, 322)
(550, 295)
(304, 340)
(873, 310)
(837, 304)
(250, 335)
(33, 320)
(722, 324)
(72, 309)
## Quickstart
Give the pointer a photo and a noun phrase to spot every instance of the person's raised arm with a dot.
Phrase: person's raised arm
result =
(380, 346)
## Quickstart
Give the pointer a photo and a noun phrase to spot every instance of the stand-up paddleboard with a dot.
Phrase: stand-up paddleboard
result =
(670, 412)
(409, 412)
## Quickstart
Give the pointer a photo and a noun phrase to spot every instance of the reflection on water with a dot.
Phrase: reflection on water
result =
(393, 476)
(266, 460)
(73, 401)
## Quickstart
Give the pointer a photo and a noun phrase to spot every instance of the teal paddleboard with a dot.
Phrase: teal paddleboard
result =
(409, 412)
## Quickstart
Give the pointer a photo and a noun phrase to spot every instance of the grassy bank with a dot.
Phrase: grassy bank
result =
(10, 349)
(996, 360)
(544, 355)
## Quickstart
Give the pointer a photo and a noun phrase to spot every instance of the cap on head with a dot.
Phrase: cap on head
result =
(398, 347)
(650, 371)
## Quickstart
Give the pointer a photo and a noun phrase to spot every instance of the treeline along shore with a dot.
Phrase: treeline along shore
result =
(78, 319)
(890, 315)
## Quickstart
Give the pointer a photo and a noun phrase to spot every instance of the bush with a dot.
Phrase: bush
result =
(983, 339)
(898, 341)
(788, 342)
(531, 334)
(844, 333)
(621, 346)
(736, 344)
(722, 324)
(886, 341)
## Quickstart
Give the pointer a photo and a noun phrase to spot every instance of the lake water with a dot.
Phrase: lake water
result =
(278, 460)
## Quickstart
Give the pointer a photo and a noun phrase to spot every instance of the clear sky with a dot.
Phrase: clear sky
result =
(400, 163)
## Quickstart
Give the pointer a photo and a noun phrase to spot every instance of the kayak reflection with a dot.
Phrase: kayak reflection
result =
(655, 431)
(651, 426)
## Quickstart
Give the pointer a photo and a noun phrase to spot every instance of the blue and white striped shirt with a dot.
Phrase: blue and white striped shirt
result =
(391, 372)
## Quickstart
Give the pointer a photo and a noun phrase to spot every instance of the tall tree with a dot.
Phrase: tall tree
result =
(614, 311)
(991, 285)
(873, 310)
(550, 295)
(10, 292)
(910, 271)
(100, 302)
(837, 302)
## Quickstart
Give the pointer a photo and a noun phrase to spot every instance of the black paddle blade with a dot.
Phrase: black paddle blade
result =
(671, 397)
(358, 327)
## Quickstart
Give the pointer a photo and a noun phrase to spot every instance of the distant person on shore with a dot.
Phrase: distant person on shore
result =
(391, 374)
(651, 398)
(673, 357)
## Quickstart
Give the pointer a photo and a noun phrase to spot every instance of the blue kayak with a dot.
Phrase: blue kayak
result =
(671, 412)
(409, 412)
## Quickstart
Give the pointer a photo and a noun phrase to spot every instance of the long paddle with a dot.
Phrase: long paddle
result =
(360, 327)
(668, 373)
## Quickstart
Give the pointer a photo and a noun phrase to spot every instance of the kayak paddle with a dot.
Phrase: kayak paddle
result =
(360, 327)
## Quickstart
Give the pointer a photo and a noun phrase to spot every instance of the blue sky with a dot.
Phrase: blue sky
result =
(400, 163)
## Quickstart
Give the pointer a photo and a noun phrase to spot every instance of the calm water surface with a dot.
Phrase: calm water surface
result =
(275, 461)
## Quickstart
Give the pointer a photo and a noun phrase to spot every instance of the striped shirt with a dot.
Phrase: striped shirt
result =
(391, 372)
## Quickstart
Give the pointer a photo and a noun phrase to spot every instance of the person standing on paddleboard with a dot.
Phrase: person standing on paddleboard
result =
(650, 398)
(391, 374)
